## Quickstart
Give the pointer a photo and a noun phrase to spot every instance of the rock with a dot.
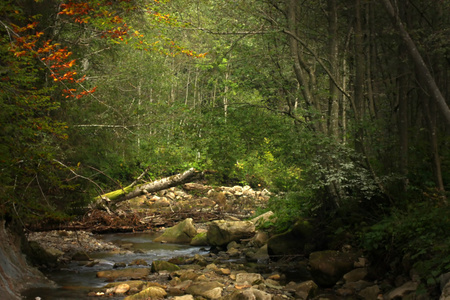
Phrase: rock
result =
(199, 240)
(138, 262)
(444, 279)
(132, 273)
(249, 294)
(250, 279)
(260, 255)
(356, 275)
(445, 295)
(44, 255)
(209, 290)
(304, 290)
(370, 293)
(160, 265)
(185, 297)
(221, 232)
(265, 217)
(132, 285)
(357, 285)
(80, 256)
(183, 232)
(327, 267)
(153, 292)
(260, 239)
(122, 288)
(402, 291)
(295, 241)
(119, 265)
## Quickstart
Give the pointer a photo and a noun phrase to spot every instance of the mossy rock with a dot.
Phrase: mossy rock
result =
(153, 292)
(295, 241)
(200, 239)
(161, 265)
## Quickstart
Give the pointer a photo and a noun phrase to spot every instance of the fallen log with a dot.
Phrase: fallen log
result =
(132, 191)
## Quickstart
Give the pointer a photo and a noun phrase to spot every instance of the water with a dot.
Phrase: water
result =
(75, 281)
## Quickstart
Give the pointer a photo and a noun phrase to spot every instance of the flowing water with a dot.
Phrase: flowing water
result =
(75, 281)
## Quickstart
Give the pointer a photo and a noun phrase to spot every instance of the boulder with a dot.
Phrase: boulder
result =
(327, 267)
(199, 240)
(304, 290)
(445, 292)
(44, 255)
(249, 294)
(132, 273)
(183, 232)
(249, 279)
(260, 255)
(153, 292)
(80, 256)
(160, 265)
(221, 232)
(296, 240)
(209, 290)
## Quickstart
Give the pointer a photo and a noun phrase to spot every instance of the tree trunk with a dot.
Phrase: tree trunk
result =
(333, 105)
(114, 197)
(422, 69)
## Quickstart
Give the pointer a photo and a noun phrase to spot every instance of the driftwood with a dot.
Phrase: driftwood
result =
(132, 191)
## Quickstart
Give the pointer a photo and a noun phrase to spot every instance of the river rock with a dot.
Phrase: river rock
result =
(153, 292)
(209, 290)
(138, 262)
(327, 267)
(260, 239)
(370, 292)
(445, 292)
(46, 255)
(249, 294)
(160, 265)
(355, 275)
(133, 273)
(185, 297)
(304, 290)
(122, 288)
(80, 256)
(199, 240)
(243, 279)
(265, 217)
(295, 241)
(222, 232)
(402, 291)
(183, 232)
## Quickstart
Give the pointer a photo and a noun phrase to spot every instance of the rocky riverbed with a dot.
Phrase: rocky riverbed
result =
(240, 261)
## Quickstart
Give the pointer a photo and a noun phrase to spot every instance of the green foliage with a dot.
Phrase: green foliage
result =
(289, 208)
(418, 236)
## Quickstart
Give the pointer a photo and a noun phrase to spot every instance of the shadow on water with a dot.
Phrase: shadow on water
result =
(75, 280)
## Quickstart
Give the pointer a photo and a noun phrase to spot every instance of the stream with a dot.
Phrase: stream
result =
(75, 281)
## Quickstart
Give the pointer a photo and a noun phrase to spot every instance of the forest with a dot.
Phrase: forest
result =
(339, 108)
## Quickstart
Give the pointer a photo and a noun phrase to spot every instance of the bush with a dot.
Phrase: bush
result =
(417, 238)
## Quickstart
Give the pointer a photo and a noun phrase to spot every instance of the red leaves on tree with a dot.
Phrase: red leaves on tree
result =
(52, 55)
